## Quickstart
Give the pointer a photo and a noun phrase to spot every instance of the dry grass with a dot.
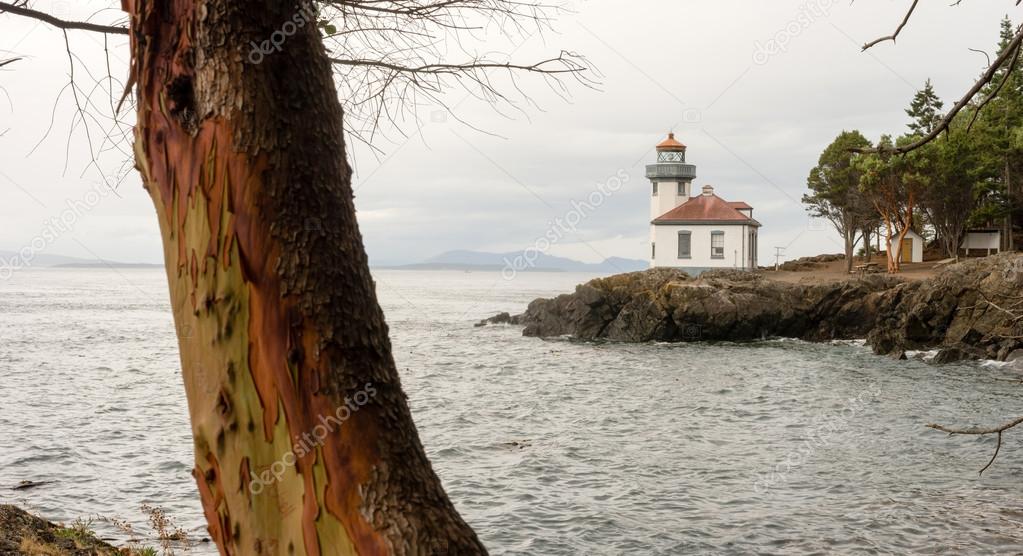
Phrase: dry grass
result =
(34, 547)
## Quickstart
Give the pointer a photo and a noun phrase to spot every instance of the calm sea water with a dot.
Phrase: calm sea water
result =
(546, 447)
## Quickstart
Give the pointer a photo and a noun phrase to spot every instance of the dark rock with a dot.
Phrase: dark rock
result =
(25, 485)
(502, 318)
(1016, 358)
(898, 355)
(642, 319)
(951, 355)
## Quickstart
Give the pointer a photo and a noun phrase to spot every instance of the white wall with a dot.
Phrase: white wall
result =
(667, 197)
(983, 240)
(666, 239)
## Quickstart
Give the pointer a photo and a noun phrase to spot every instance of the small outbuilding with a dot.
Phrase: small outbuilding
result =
(912, 248)
(986, 239)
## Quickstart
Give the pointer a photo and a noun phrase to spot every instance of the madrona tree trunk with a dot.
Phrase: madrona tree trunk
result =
(849, 237)
(867, 236)
(304, 443)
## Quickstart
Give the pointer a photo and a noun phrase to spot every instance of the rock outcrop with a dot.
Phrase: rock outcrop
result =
(24, 533)
(971, 310)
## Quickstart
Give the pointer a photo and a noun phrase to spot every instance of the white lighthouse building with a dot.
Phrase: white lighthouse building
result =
(695, 230)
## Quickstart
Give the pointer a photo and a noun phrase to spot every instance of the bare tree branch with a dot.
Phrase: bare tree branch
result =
(982, 432)
(898, 30)
(392, 58)
(20, 9)
(1007, 56)
(994, 93)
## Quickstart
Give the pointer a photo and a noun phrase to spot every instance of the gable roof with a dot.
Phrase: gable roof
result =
(705, 209)
(739, 205)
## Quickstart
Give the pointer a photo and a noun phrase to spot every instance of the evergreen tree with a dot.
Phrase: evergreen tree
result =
(958, 174)
(925, 110)
(834, 190)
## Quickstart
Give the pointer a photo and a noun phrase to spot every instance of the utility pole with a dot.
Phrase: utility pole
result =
(779, 252)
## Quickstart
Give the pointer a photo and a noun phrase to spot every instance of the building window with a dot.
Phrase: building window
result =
(653, 250)
(682, 189)
(685, 245)
(717, 245)
(655, 189)
(753, 250)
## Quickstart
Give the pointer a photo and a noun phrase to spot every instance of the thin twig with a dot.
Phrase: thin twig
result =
(61, 23)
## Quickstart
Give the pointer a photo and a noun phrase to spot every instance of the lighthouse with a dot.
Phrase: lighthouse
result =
(695, 231)
(671, 178)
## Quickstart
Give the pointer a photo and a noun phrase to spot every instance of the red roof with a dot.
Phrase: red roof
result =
(705, 208)
(670, 144)
(739, 205)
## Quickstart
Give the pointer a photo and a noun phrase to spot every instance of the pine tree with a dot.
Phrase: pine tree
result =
(1006, 34)
(925, 110)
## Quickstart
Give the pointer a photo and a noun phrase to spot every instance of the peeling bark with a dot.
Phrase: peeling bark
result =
(280, 333)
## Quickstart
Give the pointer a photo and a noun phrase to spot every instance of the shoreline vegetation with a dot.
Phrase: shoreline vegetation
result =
(24, 533)
(971, 310)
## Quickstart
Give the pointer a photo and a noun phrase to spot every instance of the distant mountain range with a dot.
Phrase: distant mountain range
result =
(477, 260)
(43, 260)
(451, 260)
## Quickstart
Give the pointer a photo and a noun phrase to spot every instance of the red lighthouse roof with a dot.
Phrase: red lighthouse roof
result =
(705, 209)
(670, 144)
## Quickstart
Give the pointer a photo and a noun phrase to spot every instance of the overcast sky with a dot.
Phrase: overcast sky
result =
(755, 119)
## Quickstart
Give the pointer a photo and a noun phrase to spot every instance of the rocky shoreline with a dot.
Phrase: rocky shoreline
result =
(24, 533)
(971, 310)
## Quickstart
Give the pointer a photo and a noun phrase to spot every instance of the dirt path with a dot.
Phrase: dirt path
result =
(826, 273)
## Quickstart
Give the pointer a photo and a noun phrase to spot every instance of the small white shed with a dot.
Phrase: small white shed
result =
(989, 240)
(912, 248)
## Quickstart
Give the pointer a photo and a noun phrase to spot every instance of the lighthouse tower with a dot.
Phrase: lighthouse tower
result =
(671, 177)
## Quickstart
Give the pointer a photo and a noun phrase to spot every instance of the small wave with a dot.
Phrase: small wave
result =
(854, 343)
(995, 364)
(925, 355)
